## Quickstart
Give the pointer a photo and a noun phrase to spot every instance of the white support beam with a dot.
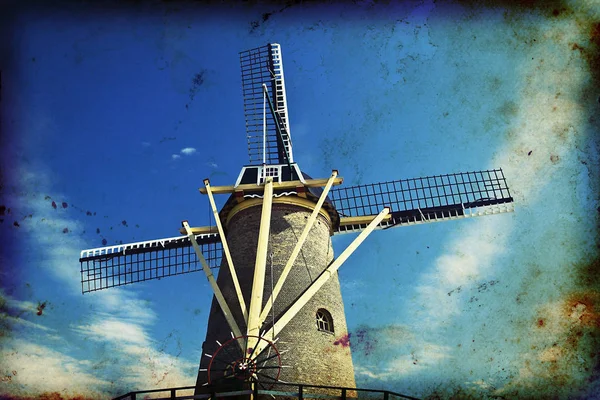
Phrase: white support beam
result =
(288, 266)
(213, 283)
(236, 283)
(276, 185)
(321, 280)
(200, 230)
(258, 283)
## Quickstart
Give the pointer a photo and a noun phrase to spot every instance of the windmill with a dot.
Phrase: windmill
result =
(277, 314)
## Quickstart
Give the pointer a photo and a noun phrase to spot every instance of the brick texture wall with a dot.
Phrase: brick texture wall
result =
(313, 356)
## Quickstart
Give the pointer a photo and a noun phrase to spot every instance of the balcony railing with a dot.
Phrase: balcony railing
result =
(299, 391)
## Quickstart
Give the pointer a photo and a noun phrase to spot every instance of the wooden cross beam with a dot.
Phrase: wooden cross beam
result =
(213, 283)
(236, 283)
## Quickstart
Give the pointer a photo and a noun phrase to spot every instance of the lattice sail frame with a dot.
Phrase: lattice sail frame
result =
(426, 199)
(264, 65)
(123, 264)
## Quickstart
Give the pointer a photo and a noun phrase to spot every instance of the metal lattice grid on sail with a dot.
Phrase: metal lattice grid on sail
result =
(137, 262)
(264, 65)
(426, 198)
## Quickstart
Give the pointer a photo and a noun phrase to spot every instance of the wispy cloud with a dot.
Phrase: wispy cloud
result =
(33, 368)
(543, 141)
(539, 134)
(15, 314)
(188, 151)
(466, 261)
(119, 323)
(175, 156)
(386, 353)
(114, 330)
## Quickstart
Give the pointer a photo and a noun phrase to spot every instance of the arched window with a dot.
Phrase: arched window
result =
(324, 321)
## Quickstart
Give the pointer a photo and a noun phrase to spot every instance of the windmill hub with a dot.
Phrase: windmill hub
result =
(230, 364)
(244, 369)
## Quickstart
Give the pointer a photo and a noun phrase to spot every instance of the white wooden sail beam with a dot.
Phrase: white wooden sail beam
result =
(260, 266)
(236, 283)
(276, 186)
(320, 281)
(280, 98)
(200, 230)
(288, 266)
(213, 283)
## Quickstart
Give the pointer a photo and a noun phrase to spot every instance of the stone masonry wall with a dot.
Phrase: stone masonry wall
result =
(314, 357)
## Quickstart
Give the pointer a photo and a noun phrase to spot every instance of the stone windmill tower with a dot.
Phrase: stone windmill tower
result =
(277, 315)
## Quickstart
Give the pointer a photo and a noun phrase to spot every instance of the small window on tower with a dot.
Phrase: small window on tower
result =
(324, 321)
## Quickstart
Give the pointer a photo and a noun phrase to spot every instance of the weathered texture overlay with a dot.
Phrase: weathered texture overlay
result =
(112, 114)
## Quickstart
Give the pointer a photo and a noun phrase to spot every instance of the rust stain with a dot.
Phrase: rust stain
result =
(540, 322)
(588, 275)
(40, 308)
(595, 33)
(48, 396)
(576, 46)
(581, 309)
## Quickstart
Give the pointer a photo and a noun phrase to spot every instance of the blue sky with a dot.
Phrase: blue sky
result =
(102, 108)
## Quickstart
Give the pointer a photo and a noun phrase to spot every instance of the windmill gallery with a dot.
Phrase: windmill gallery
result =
(277, 303)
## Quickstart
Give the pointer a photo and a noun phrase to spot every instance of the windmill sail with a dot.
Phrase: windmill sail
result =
(412, 201)
(123, 264)
(422, 200)
(264, 66)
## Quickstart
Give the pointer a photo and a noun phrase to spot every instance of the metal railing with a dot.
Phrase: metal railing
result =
(299, 391)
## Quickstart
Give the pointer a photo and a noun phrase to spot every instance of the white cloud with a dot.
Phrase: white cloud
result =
(21, 305)
(34, 369)
(543, 128)
(467, 260)
(188, 151)
(543, 140)
(146, 144)
(124, 304)
(175, 156)
(14, 314)
(386, 353)
(139, 361)
(14, 321)
(113, 330)
(118, 325)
